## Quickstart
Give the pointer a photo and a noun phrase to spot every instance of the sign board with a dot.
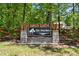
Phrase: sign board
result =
(39, 31)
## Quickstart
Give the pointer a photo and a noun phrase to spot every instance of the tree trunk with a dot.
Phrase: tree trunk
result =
(24, 12)
(49, 15)
(14, 12)
(73, 16)
(59, 18)
(78, 9)
(8, 20)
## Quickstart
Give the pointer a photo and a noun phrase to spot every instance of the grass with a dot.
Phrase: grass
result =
(7, 49)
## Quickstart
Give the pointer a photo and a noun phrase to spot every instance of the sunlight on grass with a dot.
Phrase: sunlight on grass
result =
(25, 50)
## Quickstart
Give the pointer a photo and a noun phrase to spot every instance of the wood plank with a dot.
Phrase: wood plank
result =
(44, 25)
(34, 25)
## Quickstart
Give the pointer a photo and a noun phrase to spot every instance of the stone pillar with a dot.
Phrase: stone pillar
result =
(55, 36)
(23, 37)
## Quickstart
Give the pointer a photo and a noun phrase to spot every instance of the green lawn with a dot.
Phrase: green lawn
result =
(7, 49)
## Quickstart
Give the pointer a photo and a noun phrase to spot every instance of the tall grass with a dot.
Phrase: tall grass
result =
(7, 49)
